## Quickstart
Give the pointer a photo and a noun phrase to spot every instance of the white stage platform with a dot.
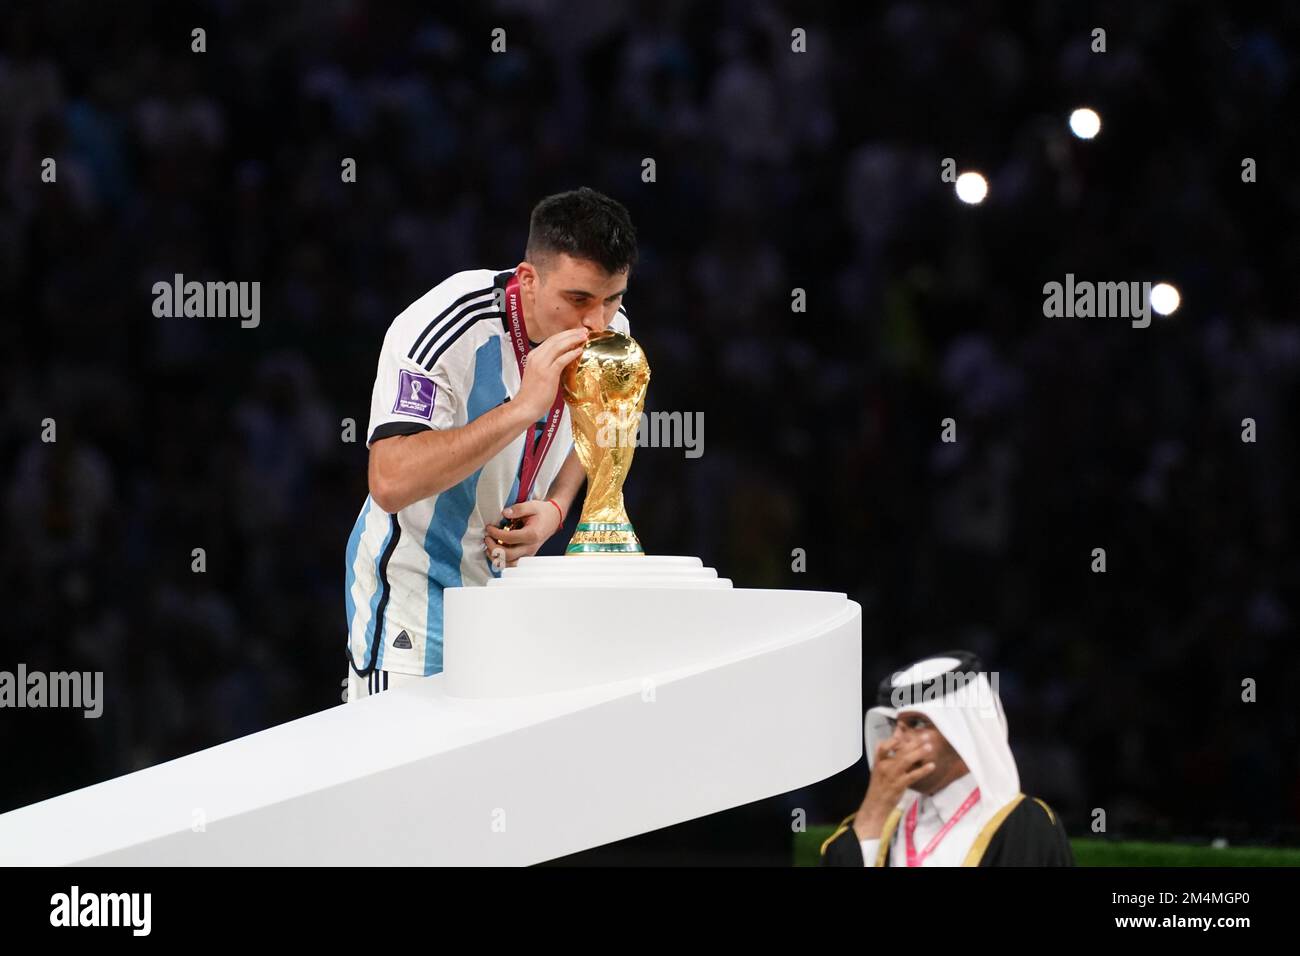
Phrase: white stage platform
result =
(585, 699)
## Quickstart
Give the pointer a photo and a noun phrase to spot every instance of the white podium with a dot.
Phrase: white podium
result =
(584, 699)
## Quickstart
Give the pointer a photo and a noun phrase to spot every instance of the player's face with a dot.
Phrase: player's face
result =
(574, 293)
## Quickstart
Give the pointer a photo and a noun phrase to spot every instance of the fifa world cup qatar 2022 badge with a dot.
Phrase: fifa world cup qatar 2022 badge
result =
(415, 395)
(605, 391)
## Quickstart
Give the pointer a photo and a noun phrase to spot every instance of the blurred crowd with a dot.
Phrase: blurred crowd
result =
(773, 171)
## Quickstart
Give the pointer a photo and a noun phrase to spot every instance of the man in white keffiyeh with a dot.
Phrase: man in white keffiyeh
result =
(944, 786)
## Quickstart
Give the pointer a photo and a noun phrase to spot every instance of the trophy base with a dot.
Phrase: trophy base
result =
(604, 537)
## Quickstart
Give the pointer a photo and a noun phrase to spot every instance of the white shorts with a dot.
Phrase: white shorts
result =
(355, 687)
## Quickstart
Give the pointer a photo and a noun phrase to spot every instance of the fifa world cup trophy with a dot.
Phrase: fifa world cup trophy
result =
(605, 390)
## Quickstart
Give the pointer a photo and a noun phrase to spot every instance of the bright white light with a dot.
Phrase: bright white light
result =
(1085, 123)
(1164, 298)
(972, 188)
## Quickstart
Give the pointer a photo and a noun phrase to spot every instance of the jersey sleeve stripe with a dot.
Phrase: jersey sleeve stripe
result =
(451, 339)
(389, 429)
(438, 322)
(458, 323)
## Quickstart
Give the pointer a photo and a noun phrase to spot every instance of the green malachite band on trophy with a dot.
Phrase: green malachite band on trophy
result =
(604, 549)
(604, 526)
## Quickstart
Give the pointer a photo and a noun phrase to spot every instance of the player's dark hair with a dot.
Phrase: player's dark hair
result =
(585, 224)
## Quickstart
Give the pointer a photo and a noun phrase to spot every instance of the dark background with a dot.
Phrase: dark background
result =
(775, 170)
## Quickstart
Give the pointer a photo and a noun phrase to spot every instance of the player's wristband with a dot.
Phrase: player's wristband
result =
(557, 508)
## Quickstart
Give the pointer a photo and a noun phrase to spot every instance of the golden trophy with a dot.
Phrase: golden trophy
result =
(605, 391)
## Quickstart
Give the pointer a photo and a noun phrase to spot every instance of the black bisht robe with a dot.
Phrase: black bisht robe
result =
(1023, 833)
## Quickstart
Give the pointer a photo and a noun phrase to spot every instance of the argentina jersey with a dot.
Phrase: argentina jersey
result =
(446, 360)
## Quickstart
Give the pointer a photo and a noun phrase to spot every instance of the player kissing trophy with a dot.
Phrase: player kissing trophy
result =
(605, 390)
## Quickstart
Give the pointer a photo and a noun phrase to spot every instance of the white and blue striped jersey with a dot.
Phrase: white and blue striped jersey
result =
(446, 360)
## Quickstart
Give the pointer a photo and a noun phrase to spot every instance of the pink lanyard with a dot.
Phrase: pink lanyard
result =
(534, 450)
(913, 859)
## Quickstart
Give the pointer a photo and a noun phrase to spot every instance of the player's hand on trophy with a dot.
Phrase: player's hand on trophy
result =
(899, 764)
(545, 363)
(538, 520)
